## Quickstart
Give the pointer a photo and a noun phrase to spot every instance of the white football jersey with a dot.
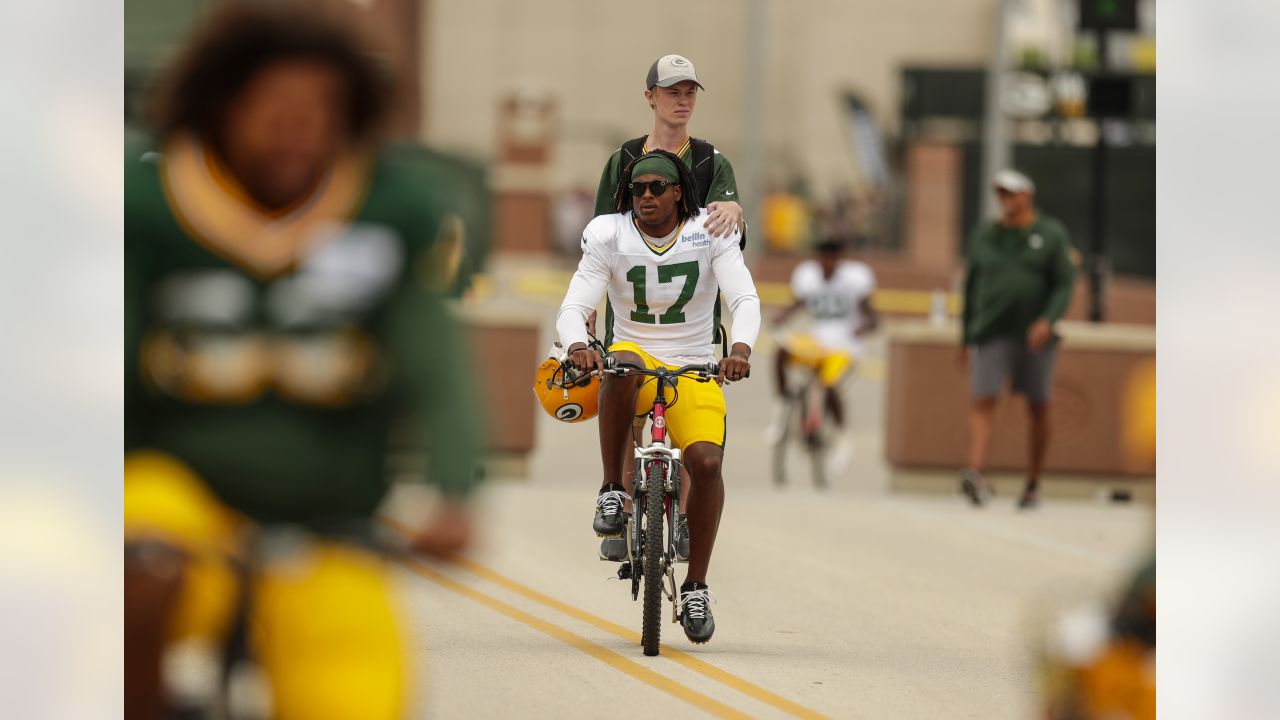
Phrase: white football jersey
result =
(661, 297)
(834, 302)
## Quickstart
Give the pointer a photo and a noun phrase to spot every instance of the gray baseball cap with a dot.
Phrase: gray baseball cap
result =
(669, 70)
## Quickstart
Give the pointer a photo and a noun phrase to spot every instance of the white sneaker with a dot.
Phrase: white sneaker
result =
(777, 426)
(839, 456)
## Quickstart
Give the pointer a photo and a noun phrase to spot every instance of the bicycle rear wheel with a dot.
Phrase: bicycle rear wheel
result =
(788, 430)
(818, 463)
(813, 416)
(651, 624)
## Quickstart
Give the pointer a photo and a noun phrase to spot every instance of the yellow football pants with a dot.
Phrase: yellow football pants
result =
(323, 622)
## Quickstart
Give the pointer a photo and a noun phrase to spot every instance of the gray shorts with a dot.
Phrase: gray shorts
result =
(994, 359)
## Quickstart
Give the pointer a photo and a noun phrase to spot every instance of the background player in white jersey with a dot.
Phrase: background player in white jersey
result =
(837, 294)
(661, 268)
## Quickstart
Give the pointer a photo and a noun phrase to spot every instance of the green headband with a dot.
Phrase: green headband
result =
(656, 165)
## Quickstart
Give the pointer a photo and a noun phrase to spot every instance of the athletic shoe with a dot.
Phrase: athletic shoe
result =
(1030, 499)
(839, 456)
(613, 549)
(682, 539)
(777, 426)
(695, 613)
(610, 520)
(974, 487)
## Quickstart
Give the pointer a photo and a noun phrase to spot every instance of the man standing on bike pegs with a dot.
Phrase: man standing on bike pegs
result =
(671, 90)
(837, 293)
(662, 272)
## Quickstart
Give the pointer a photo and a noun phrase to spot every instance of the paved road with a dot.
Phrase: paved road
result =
(849, 603)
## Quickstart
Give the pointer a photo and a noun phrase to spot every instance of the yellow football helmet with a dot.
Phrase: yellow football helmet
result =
(566, 394)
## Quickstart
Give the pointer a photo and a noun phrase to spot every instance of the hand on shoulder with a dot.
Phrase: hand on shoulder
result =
(724, 217)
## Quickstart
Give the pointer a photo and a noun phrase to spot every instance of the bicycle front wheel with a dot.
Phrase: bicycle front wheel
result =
(651, 625)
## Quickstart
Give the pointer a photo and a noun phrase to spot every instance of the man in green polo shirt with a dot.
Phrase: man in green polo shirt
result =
(1019, 278)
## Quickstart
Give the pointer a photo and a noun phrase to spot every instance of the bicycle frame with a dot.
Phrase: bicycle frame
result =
(658, 452)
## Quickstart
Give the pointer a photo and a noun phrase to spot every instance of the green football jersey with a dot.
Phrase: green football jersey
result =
(279, 354)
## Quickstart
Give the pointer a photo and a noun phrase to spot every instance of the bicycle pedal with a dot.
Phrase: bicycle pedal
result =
(613, 548)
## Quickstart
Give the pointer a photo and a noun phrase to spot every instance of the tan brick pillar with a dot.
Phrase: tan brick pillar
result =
(934, 172)
(522, 203)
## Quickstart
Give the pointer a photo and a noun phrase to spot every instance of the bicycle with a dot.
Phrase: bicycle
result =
(803, 417)
(805, 409)
(655, 502)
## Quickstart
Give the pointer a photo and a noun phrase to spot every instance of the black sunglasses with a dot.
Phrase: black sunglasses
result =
(657, 187)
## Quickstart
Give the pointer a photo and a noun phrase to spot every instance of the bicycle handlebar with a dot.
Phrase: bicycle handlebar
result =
(614, 366)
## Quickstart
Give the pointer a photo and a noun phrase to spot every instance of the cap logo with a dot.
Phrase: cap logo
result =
(679, 61)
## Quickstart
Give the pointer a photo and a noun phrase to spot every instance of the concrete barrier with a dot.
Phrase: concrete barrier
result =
(1100, 370)
(504, 344)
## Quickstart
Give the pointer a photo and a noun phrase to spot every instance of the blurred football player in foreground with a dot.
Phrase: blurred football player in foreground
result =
(283, 323)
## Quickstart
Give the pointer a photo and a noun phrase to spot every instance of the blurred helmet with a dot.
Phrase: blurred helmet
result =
(566, 394)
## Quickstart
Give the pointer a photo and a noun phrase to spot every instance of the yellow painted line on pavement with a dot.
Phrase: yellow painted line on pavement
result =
(913, 302)
(544, 285)
(551, 285)
(871, 369)
(699, 666)
(774, 293)
(481, 287)
(595, 650)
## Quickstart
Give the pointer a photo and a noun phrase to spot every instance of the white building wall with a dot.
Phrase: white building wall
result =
(591, 56)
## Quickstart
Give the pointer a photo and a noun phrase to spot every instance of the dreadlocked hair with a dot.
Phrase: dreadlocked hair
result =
(687, 207)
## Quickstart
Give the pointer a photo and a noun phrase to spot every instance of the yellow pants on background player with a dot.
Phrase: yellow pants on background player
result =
(323, 625)
(830, 365)
(696, 412)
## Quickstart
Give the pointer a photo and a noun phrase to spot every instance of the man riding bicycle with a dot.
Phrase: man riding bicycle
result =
(671, 91)
(662, 271)
(837, 294)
